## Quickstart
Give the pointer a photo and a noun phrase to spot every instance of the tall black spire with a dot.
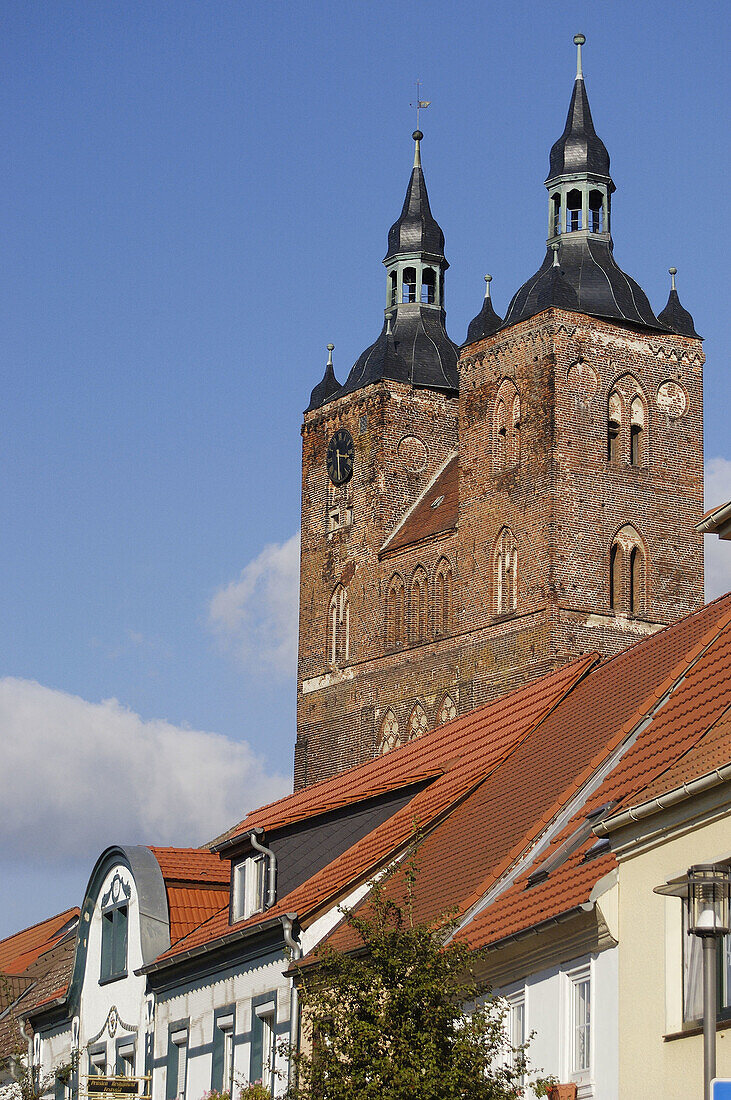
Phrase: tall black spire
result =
(579, 223)
(413, 346)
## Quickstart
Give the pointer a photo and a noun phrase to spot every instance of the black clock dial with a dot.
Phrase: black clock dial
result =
(340, 457)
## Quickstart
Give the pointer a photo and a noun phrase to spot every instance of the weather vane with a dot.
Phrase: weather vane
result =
(420, 104)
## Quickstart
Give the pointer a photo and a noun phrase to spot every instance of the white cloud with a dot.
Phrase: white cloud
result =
(77, 776)
(257, 615)
(718, 552)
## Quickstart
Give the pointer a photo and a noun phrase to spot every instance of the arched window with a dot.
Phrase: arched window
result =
(409, 285)
(393, 289)
(443, 599)
(501, 436)
(428, 285)
(556, 214)
(419, 609)
(514, 457)
(338, 642)
(506, 572)
(447, 710)
(573, 211)
(627, 573)
(637, 432)
(395, 612)
(418, 723)
(614, 427)
(596, 212)
(389, 737)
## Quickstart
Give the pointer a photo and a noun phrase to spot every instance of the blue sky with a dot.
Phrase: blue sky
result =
(194, 200)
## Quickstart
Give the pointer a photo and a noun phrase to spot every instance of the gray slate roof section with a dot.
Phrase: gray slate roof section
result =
(588, 280)
(676, 318)
(579, 149)
(416, 229)
(417, 351)
(324, 390)
(484, 324)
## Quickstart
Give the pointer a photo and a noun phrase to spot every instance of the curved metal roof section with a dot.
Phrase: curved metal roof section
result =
(324, 390)
(416, 229)
(676, 318)
(485, 323)
(588, 280)
(416, 351)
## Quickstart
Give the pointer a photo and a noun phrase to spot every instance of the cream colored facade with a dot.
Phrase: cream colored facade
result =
(659, 1056)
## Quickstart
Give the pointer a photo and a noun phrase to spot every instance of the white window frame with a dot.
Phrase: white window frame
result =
(97, 1060)
(574, 978)
(517, 1001)
(249, 886)
(127, 1054)
(267, 1013)
(180, 1040)
(226, 1025)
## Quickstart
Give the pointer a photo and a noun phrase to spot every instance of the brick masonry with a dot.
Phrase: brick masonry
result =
(562, 499)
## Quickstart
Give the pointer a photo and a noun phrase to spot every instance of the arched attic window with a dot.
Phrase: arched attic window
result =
(573, 211)
(556, 214)
(388, 737)
(338, 641)
(418, 723)
(637, 432)
(419, 606)
(428, 285)
(409, 285)
(627, 573)
(447, 710)
(506, 572)
(596, 212)
(393, 289)
(614, 427)
(443, 599)
(395, 612)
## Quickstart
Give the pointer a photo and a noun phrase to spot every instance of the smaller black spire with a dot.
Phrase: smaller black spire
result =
(328, 387)
(487, 321)
(579, 149)
(674, 316)
(416, 229)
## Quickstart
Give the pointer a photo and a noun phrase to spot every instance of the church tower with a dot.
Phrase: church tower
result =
(471, 522)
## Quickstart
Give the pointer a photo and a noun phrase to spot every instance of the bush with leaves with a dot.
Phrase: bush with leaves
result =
(402, 1015)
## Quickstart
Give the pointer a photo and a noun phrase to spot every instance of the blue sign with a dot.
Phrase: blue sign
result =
(721, 1088)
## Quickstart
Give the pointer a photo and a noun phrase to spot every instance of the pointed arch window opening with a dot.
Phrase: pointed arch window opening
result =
(506, 573)
(447, 710)
(443, 600)
(596, 211)
(574, 211)
(614, 427)
(627, 566)
(501, 435)
(637, 432)
(555, 217)
(418, 723)
(419, 607)
(395, 598)
(428, 286)
(339, 627)
(389, 734)
(515, 435)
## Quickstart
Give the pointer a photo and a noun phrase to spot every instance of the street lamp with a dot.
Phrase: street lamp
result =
(706, 890)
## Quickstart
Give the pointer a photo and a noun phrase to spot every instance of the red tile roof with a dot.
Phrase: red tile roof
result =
(21, 950)
(435, 512)
(197, 886)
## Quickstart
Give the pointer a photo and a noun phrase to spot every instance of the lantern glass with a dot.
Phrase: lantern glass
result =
(709, 887)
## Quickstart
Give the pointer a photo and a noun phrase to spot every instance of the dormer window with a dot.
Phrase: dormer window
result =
(248, 887)
(114, 944)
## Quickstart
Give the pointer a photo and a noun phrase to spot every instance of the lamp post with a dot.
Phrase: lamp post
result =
(707, 902)
(706, 891)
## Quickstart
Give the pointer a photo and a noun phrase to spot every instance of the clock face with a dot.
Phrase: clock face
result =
(340, 457)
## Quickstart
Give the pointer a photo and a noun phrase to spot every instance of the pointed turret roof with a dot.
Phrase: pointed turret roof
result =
(487, 320)
(329, 385)
(579, 149)
(674, 316)
(416, 229)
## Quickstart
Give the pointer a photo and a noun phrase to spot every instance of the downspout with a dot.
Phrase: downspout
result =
(272, 883)
(29, 1041)
(296, 951)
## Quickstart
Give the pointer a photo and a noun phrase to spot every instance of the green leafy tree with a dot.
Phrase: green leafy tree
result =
(402, 1016)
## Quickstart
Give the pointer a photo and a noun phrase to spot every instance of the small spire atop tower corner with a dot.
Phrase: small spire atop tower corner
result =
(579, 40)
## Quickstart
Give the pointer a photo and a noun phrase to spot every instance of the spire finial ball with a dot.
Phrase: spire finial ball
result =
(488, 278)
(579, 39)
(672, 271)
(417, 135)
(331, 347)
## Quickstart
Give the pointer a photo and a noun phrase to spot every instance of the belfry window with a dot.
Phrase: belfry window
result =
(614, 428)
(627, 563)
(409, 285)
(515, 434)
(428, 285)
(573, 211)
(501, 436)
(556, 214)
(615, 576)
(596, 212)
(338, 643)
(443, 599)
(419, 606)
(393, 289)
(637, 431)
(506, 573)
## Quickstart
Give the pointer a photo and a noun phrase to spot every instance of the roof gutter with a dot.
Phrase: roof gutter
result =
(536, 929)
(210, 945)
(718, 518)
(664, 801)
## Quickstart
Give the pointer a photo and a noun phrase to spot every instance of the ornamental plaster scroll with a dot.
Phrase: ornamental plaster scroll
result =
(118, 890)
(112, 1022)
